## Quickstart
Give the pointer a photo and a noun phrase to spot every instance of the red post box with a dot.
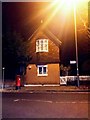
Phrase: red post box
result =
(18, 82)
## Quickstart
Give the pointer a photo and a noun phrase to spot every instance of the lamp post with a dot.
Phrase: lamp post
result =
(68, 4)
(75, 26)
(3, 77)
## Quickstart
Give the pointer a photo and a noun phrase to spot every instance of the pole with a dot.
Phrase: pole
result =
(3, 78)
(75, 25)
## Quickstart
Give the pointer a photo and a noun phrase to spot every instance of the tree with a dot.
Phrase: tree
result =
(14, 52)
(65, 70)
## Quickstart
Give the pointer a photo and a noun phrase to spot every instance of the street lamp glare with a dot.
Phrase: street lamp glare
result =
(69, 8)
(69, 1)
(68, 4)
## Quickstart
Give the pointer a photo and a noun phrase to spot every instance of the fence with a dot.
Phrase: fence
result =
(65, 80)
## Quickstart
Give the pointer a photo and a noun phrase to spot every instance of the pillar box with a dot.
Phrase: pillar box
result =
(18, 82)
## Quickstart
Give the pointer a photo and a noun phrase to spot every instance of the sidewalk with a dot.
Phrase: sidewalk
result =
(46, 88)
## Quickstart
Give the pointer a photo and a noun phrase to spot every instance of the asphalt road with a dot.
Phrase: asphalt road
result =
(45, 105)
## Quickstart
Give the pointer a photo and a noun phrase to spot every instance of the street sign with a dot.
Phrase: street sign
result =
(73, 62)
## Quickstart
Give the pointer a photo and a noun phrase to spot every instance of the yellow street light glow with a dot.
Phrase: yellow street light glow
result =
(67, 5)
(65, 9)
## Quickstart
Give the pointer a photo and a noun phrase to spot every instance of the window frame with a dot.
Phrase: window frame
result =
(42, 45)
(42, 72)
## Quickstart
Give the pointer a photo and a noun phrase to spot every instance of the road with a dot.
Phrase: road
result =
(45, 105)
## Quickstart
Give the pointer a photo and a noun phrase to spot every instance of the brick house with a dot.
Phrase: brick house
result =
(44, 66)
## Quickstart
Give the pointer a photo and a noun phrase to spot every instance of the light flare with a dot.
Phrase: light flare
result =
(67, 7)
(64, 9)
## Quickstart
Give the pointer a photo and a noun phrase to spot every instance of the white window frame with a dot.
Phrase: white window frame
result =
(42, 45)
(42, 72)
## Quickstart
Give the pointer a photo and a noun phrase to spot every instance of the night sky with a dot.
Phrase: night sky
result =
(25, 17)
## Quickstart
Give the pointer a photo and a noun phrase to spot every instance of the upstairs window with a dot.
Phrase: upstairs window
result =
(42, 70)
(42, 45)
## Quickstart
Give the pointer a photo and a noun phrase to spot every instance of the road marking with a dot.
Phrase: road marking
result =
(32, 100)
(72, 92)
(16, 100)
(36, 100)
(58, 102)
(73, 102)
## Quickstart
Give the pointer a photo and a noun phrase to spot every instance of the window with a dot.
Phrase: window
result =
(42, 45)
(42, 70)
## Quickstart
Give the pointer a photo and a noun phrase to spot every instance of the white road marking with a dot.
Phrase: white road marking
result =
(32, 100)
(16, 100)
(36, 100)
(58, 102)
(88, 93)
(73, 102)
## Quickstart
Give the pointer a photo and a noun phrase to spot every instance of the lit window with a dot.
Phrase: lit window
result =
(42, 45)
(42, 70)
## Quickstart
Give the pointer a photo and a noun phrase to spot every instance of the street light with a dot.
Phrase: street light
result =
(69, 5)
(3, 77)
(75, 26)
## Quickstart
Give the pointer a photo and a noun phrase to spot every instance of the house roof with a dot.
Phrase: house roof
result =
(48, 33)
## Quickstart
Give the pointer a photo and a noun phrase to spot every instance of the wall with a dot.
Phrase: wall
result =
(52, 78)
(52, 56)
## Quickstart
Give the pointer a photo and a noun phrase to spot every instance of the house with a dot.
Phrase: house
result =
(44, 66)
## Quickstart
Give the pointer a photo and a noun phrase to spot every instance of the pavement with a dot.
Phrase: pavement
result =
(10, 86)
(46, 88)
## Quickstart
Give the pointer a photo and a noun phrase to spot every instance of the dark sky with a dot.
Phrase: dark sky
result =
(25, 17)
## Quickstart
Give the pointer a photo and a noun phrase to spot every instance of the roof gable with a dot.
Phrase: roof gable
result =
(49, 34)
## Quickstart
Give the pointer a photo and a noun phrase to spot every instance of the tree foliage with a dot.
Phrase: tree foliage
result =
(65, 69)
(14, 45)
(14, 50)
